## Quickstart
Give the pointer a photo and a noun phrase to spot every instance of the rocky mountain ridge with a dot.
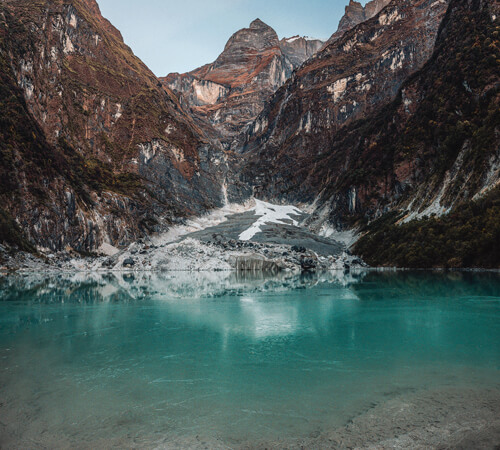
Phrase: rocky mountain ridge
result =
(427, 151)
(346, 81)
(231, 92)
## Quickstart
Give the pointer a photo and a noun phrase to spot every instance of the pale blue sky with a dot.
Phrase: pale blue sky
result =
(181, 35)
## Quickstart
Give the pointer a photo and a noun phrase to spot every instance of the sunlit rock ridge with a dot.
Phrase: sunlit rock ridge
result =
(231, 91)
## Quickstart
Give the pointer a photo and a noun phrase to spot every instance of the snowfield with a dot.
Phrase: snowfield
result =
(270, 214)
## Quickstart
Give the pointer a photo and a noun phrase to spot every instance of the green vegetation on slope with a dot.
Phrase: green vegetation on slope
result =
(457, 114)
(467, 237)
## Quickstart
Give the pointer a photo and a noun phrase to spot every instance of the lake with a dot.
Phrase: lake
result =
(199, 360)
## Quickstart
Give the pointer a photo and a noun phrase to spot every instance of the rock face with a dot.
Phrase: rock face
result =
(348, 80)
(230, 92)
(396, 117)
(356, 13)
(422, 148)
(94, 148)
(299, 49)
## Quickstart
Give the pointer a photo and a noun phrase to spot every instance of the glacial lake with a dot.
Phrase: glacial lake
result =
(180, 360)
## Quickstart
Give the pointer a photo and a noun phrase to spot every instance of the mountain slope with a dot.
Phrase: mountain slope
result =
(469, 236)
(231, 92)
(437, 144)
(100, 151)
(432, 150)
(349, 79)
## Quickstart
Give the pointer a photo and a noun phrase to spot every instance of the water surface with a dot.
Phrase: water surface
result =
(134, 360)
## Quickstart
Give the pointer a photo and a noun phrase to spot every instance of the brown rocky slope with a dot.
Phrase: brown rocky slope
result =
(288, 145)
(431, 152)
(94, 148)
(231, 92)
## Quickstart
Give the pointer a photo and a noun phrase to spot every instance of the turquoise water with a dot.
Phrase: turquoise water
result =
(137, 359)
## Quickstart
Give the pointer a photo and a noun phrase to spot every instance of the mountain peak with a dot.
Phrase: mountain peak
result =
(258, 36)
(257, 24)
(356, 13)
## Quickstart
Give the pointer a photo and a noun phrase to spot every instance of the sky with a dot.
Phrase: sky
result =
(181, 35)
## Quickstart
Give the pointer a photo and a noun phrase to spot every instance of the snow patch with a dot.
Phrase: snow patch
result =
(212, 219)
(269, 214)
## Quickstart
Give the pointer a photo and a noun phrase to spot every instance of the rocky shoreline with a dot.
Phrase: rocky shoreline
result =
(186, 255)
(277, 241)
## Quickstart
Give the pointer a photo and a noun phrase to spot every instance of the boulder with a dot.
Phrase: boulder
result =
(129, 262)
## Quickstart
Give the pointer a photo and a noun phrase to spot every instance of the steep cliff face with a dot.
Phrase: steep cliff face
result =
(299, 49)
(356, 13)
(231, 92)
(348, 80)
(443, 167)
(100, 150)
(431, 149)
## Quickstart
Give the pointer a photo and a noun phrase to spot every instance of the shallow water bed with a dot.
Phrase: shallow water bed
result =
(218, 359)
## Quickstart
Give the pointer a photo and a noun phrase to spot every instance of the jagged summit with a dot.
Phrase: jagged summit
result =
(356, 13)
(231, 91)
(258, 36)
(258, 24)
